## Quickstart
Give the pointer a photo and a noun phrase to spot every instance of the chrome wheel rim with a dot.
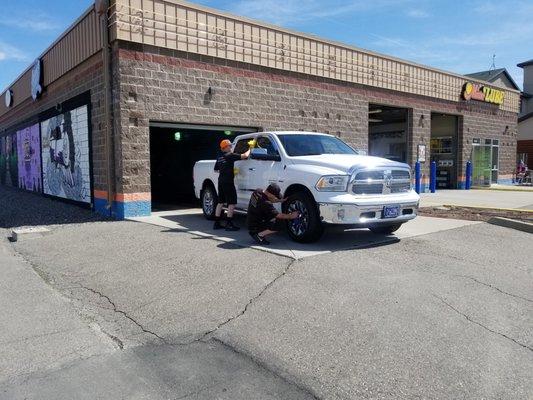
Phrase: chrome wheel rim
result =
(299, 226)
(208, 202)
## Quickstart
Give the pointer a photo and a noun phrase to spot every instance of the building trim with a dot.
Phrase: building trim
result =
(80, 41)
(65, 33)
(261, 24)
(178, 25)
(525, 117)
(492, 78)
(195, 61)
(525, 63)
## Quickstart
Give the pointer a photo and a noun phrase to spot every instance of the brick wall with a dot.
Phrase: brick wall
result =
(164, 85)
(154, 84)
(489, 126)
(85, 77)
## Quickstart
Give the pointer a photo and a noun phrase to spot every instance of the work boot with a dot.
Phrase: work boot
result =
(231, 227)
(217, 224)
(259, 239)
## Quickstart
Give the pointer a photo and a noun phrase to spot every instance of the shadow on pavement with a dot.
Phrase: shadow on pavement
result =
(19, 208)
(200, 371)
(335, 238)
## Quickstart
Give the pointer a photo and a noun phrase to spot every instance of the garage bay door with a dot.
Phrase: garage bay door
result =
(174, 148)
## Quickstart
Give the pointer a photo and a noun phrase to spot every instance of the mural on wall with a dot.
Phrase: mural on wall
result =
(65, 155)
(8, 160)
(29, 158)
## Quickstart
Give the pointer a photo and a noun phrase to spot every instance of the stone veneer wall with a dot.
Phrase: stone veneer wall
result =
(151, 83)
(165, 85)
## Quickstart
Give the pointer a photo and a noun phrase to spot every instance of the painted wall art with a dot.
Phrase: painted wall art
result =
(29, 158)
(65, 155)
(8, 160)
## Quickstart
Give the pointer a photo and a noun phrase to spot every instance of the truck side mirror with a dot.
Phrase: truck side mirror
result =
(257, 151)
(262, 154)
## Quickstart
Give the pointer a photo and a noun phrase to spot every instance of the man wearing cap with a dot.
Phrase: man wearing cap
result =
(226, 187)
(263, 218)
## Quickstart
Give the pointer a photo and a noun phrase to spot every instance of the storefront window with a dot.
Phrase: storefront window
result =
(485, 161)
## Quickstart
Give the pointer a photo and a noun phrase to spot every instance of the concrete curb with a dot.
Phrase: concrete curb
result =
(488, 208)
(512, 224)
(525, 190)
(28, 232)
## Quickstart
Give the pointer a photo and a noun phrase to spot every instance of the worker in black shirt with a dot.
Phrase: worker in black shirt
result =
(227, 194)
(263, 218)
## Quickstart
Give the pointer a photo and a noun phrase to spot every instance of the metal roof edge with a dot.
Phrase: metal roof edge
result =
(525, 116)
(508, 75)
(493, 77)
(65, 33)
(525, 63)
(259, 23)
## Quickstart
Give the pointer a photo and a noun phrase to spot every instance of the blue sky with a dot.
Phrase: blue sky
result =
(458, 36)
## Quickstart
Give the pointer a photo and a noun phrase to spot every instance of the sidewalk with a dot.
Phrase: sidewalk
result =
(40, 330)
(509, 188)
(479, 198)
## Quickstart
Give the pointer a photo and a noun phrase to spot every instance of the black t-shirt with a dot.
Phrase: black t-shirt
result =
(224, 165)
(260, 210)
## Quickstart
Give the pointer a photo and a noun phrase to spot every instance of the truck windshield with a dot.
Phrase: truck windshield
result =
(313, 145)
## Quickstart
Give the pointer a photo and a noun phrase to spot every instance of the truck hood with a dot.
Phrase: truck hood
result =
(346, 163)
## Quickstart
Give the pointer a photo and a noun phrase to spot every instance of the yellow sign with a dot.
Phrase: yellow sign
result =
(475, 91)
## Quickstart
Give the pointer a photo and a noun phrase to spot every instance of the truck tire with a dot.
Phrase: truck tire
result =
(384, 229)
(308, 228)
(209, 201)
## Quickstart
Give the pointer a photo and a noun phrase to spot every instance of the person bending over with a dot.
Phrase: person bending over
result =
(227, 194)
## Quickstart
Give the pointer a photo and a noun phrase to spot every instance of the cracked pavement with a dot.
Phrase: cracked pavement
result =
(443, 316)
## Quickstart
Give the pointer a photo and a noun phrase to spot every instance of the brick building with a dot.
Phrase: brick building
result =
(114, 114)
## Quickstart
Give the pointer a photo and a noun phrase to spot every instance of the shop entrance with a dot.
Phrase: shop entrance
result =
(174, 149)
(485, 161)
(387, 132)
(444, 148)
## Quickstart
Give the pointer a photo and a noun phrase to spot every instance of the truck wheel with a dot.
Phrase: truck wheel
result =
(384, 229)
(308, 228)
(209, 201)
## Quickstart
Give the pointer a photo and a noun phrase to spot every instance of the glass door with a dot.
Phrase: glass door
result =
(495, 160)
(481, 163)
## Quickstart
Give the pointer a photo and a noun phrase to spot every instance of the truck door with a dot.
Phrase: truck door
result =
(242, 174)
(261, 172)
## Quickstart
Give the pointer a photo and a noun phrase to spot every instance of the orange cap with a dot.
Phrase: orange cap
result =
(225, 143)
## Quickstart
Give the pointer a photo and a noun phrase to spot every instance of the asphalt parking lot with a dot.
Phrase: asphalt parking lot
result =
(158, 312)
(336, 238)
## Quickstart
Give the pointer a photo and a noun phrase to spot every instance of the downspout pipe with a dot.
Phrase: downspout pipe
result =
(102, 8)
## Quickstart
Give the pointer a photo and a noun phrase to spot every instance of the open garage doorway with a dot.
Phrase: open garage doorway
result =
(387, 132)
(444, 148)
(174, 149)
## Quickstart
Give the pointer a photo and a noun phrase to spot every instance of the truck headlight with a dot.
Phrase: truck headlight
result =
(332, 183)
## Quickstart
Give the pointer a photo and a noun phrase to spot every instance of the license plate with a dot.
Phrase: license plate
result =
(391, 211)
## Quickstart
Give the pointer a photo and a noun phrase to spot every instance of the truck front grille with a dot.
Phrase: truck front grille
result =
(381, 181)
(372, 188)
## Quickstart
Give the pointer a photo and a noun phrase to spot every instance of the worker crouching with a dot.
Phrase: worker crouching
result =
(263, 218)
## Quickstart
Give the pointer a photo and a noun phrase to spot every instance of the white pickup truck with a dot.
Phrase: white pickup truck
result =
(324, 179)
